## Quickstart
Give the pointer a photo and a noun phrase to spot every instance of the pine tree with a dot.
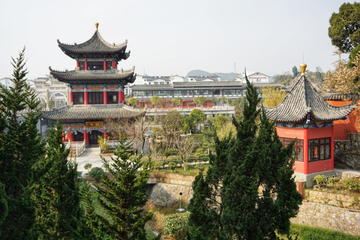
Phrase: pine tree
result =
(57, 194)
(125, 194)
(21, 147)
(258, 194)
(3, 205)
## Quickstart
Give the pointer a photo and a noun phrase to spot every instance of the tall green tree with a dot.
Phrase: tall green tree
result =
(244, 166)
(3, 205)
(344, 29)
(57, 194)
(21, 147)
(295, 71)
(125, 196)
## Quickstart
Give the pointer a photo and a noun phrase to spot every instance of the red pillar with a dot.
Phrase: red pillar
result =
(105, 95)
(105, 136)
(86, 65)
(113, 64)
(63, 139)
(306, 151)
(86, 137)
(85, 97)
(332, 147)
(104, 65)
(121, 94)
(70, 95)
(77, 64)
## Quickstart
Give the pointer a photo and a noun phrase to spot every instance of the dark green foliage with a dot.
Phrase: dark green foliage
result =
(125, 194)
(96, 173)
(3, 205)
(295, 71)
(238, 209)
(344, 29)
(58, 212)
(353, 55)
(20, 148)
(94, 221)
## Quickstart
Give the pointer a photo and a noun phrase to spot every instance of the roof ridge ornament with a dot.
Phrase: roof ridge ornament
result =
(97, 26)
(303, 68)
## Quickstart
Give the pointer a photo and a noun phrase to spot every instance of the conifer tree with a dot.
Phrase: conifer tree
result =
(126, 195)
(258, 194)
(57, 194)
(21, 147)
(3, 205)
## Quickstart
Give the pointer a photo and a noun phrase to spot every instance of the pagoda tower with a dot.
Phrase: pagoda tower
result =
(305, 116)
(96, 90)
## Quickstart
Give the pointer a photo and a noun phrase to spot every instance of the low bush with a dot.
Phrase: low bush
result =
(320, 179)
(96, 173)
(172, 166)
(88, 166)
(187, 166)
(104, 144)
(157, 165)
(200, 166)
(352, 184)
(176, 225)
(333, 180)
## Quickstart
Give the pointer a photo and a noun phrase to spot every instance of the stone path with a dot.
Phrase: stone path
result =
(91, 155)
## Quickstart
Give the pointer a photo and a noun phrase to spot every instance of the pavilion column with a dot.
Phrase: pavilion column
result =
(86, 137)
(105, 136)
(70, 95)
(63, 139)
(105, 65)
(121, 94)
(113, 64)
(105, 96)
(332, 146)
(77, 64)
(85, 96)
(86, 66)
(306, 151)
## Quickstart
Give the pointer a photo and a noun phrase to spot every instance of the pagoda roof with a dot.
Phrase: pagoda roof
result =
(99, 111)
(304, 99)
(103, 76)
(95, 45)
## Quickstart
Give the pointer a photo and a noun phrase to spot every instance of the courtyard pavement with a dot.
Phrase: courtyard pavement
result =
(91, 155)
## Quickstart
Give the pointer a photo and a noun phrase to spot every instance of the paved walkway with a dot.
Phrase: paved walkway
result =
(91, 155)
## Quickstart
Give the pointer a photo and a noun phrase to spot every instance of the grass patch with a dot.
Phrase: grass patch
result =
(317, 233)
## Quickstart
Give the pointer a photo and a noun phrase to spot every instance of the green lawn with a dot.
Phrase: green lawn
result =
(316, 233)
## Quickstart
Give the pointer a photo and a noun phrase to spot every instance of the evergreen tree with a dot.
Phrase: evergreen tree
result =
(58, 212)
(125, 194)
(257, 195)
(21, 147)
(3, 205)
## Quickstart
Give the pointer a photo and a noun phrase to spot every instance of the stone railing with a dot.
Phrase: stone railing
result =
(186, 110)
(80, 148)
(67, 145)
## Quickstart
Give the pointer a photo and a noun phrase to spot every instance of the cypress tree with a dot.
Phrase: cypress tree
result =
(21, 147)
(57, 194)
(3, 205)
(125, 194)
(258, 194)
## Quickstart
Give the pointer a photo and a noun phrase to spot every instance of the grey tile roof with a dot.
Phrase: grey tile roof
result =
(113, 74)
(93, 112)
(303, 99)
(341, 96)
(96, 44)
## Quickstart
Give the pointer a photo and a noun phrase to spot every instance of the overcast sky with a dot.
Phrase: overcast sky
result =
(172, 37)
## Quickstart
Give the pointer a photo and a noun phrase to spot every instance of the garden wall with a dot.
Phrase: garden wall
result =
(166, 191)
(339, 200)
(347, 152)
(330, 217)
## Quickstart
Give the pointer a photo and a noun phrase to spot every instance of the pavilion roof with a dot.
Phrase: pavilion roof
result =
(78, 76)
(304, 99)
(99, 111)
(96, 44)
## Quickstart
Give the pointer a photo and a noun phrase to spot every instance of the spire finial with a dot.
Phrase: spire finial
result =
(97, 26)
(303, 68)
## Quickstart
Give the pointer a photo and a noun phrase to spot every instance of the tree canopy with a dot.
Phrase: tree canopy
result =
(272, 96)
(344, 29)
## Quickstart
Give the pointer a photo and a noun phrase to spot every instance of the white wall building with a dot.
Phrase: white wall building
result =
(256, 77)
(6, 82)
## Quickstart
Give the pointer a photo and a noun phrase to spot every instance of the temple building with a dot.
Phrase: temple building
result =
(96, 91)
(305, 115)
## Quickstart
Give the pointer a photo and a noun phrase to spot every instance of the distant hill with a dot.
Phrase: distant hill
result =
(223, 76)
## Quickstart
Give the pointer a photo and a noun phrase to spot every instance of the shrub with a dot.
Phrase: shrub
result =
(352, 184)
(157, 165)
(88, 166)
(187, 166)
(176, 225)
(104, 144)
(320, 179)
(201, 167)
(333, 180)
(146, 164)
(172, 166)
(96, 173)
